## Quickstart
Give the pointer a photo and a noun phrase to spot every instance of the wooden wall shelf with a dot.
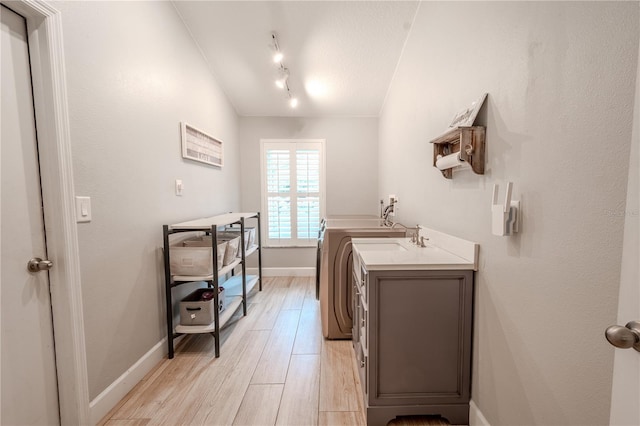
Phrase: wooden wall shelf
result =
(468, 141)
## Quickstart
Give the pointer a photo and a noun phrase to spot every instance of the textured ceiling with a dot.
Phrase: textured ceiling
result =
(350, 47)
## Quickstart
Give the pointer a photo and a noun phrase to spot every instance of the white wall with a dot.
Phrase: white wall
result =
(351, 163)
(133, 75)
(561, 80)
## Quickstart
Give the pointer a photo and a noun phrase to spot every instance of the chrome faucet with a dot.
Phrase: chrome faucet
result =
(417, 239)
(387, 211)
(417, 235)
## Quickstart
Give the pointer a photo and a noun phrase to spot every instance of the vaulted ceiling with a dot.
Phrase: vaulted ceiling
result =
(341, 55)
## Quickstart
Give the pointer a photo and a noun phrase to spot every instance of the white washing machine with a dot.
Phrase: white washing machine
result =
(334, 276)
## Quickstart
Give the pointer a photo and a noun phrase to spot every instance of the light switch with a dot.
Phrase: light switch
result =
(83, 209)
(179, 187)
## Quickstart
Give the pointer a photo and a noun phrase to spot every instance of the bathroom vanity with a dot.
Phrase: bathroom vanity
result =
(412, 328)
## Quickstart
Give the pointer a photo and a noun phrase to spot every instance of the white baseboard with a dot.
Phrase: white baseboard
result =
(476, 418)
(284, 272)
(108, 398)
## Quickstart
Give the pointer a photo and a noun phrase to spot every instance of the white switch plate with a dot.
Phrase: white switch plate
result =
(179, 187)
(83, 209)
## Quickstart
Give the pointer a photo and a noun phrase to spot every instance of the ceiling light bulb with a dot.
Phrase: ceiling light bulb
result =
(281, 81)
(293, 102)
(316, 88)
(277, 57)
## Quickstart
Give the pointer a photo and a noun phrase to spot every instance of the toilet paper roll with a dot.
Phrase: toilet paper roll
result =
(449, 161)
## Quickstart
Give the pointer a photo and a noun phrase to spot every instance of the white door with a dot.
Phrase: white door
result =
(29, 390)
(625, 396)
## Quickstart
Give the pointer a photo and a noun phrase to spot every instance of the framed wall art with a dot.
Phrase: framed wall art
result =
(199, 146)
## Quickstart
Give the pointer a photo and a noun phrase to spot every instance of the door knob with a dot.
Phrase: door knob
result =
(36, 264)
(624, 337)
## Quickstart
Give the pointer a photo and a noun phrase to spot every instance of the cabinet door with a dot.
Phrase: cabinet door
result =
(420, 337)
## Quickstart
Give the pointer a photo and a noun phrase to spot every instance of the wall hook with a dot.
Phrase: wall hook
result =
(505, 216)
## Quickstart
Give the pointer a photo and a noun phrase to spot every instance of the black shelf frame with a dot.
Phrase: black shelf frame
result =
(213, 282)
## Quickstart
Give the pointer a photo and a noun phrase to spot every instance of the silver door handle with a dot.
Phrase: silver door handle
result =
(624, 337)
(36, 264)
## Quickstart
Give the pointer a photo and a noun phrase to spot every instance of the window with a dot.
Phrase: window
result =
(292, 191)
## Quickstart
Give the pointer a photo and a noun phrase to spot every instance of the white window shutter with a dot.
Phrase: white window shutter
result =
(293, 185)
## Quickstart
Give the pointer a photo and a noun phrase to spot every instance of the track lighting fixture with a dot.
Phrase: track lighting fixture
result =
(283, 76)
(277, 55)
(282, 82)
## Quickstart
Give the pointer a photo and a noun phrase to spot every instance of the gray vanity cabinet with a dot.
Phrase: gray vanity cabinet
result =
(413, 343)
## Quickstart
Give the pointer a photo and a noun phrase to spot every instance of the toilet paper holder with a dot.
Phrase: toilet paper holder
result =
(466, 144)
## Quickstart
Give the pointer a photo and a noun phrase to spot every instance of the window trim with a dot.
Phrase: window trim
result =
(287, 144)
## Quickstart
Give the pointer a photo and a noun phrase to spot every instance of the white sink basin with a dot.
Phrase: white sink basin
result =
(442, 252)
(383, 247)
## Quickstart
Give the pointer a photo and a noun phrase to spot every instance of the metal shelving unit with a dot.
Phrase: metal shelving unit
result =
(238, 286)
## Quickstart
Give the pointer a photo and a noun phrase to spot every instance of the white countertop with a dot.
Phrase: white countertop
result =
(442, 252)
(354, 223)
(350, 216)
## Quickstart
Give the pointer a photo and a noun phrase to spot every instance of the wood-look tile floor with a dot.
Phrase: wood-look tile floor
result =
(275, 368)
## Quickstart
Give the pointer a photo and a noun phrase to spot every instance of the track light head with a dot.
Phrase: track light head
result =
(277, 55)
(283, 76)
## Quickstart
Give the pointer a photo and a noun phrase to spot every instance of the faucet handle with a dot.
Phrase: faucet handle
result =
(422, 240)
